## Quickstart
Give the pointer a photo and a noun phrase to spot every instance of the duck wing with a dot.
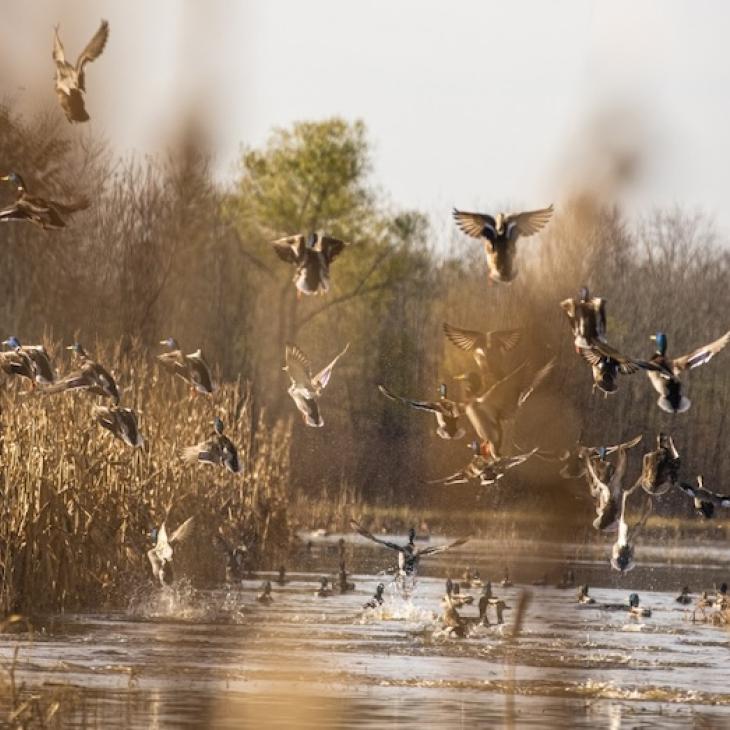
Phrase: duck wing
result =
(701, 355)
(93, 50)
(331, 247)
(59, 56)
(530, 222)
(476, 225)
(183, 531)
(290, 248)
(369, 535)
(625, 445)
(436, 549)
(298, 367)
(536, 381)
(463, 476)
(420, 405)
(321, 379)
(199, 371)
(626, 365)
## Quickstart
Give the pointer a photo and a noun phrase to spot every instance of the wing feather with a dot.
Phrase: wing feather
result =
(289, 249)
(531, 222)
(702, 354)
(473, 224)
(323, 376)
(94, 47)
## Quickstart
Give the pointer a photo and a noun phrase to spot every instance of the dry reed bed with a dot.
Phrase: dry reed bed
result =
(78, 505)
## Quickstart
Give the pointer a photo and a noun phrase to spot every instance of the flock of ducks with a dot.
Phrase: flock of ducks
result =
(492, 394)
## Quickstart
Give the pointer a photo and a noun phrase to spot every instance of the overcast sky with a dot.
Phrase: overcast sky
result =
(467, 103)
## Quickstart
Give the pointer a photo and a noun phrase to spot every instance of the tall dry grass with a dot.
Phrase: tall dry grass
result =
(78, 506)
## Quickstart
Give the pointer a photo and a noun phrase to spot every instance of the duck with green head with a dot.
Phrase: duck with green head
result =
(665, 377)
(40, 360)
(44, 213)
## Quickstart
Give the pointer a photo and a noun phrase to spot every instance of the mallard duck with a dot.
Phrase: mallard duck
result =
(377, 599)
(489, 349)
(217, 450)
(409, 555)
(40, 360)
(607, 490)
(622, 552)
(192, 368)
(635, 609)
(306, 389)
(487, 599)
(90, 377)
(583, 596)
(121, 422)
(447, 412)
(160, 556)
(344, 585)
(265, 594)
(488, 410)
(71, 80)
(684, 597)
(607, 363)
(15, 363)
(575, 459)
(666, 376)
(451, 621)
(499, 234)
(324, 590)
(705, 501)
(660, 469)
(312, 255)
(484, 467)
(506, 581)
(48, 214)
(587, 316)
(235, 558)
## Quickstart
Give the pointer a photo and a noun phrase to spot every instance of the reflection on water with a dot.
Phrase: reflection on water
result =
(183, 657)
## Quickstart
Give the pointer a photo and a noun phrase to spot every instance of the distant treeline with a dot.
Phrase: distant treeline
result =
(165, 251)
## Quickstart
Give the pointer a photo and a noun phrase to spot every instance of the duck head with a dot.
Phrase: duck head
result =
(661, 342)
(77, 349)
(379, 590)
(584, 294)
(634, 600)
(15, 178)
(12, 342)
(170, 343)
(499, 223)
(311, 241)
(218, 425)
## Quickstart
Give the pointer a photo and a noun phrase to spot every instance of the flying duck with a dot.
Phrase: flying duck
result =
(490, 350)
(160, 556)
(312, 256)
(217, 450)
(192, 368)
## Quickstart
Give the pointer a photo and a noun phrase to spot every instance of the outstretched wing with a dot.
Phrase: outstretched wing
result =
(435, 549)
(537, 380)
(625, 445)
(183, 531)
(93, 50)
(476, 225)
(626, 365)
(58, 54)
(289, 249)
(323, 376)
(362, 531)
(460, 477)
(511, 461)
(417, 404)
(701, 355)
(298, 366)
(465, 340)
(531, 222)
(331, 247)
(504, 395)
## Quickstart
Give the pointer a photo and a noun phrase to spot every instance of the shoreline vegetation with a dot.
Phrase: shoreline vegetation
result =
(165, 250)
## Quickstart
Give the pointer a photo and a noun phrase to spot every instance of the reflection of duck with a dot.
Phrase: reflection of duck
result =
(281, 580)
(343, 584)
(488, 599)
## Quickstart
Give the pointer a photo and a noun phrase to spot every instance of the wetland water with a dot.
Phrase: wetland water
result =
(181, 658)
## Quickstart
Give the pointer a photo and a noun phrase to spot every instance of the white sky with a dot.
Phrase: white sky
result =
(467, 102)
